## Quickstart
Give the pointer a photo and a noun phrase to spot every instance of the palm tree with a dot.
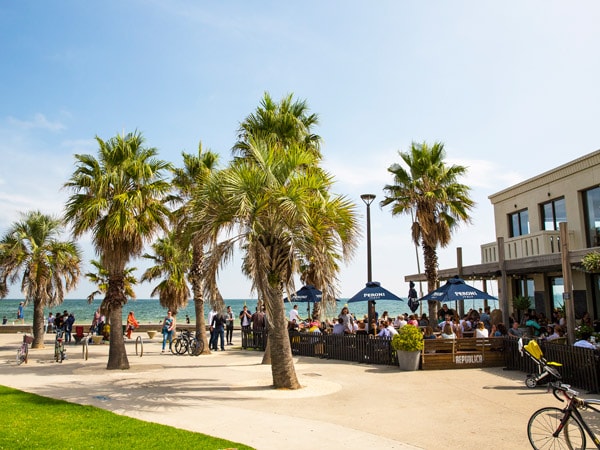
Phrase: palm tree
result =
(100, 279)
(171, 265)
(287, 122)
(120, 199)
(48, 267)
(276, 205)
(186, 180)
(429, 190)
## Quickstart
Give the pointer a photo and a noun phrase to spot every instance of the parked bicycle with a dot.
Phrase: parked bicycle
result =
(60, 354)
(187, 342)
(566, 428)
(23, 350)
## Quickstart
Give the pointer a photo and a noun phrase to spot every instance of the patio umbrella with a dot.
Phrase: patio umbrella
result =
(456, 289)
(306, 294)
(374, 291)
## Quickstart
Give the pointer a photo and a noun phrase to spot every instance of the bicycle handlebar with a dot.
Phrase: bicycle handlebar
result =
(564, 388)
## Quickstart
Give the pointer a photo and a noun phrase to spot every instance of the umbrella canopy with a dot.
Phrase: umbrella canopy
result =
(373, 291)
(456, 289)
(307, 294)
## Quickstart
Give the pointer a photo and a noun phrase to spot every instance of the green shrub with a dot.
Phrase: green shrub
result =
(408, 339)
(591, 262)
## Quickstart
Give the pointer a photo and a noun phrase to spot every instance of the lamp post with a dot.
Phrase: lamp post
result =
(368, 199)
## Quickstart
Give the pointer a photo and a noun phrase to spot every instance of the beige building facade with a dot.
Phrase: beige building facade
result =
(526, 257)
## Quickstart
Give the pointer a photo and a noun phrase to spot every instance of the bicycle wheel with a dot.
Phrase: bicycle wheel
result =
(544, 423)
(196, 347)
(181, 346)
(22, 355)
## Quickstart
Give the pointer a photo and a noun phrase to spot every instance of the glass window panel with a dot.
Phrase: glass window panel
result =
(592, 212)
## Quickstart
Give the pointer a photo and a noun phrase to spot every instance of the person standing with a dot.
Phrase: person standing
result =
(69, 321)
(213, 339)
(294, 315)
(217, 329)
(167, 329)
(20, 312)
(229, 326)
(50, 324)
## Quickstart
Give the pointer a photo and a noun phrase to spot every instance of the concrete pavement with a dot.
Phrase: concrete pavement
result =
(342, 405)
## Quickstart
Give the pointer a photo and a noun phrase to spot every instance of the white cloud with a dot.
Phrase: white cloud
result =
(39, 121)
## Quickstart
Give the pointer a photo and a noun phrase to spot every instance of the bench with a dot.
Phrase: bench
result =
(463, 353)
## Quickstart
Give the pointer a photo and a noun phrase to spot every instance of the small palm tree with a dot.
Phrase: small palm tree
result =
(428, 189)
(31, 250)
(119, 198)
(187, 180)
(171, 265)
(100, 279)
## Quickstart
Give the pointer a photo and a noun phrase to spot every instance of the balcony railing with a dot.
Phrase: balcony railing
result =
(534, 244)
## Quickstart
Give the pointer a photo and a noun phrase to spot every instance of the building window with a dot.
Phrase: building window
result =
(519, 223)
(553, 213)
(591, 205)
(557, 287)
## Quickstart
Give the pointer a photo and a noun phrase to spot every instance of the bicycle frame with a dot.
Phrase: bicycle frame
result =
(572, 410)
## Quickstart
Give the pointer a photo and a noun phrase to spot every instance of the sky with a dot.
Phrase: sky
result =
(511, 89)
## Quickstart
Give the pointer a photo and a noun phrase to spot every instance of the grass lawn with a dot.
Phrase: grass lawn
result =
(32, 421)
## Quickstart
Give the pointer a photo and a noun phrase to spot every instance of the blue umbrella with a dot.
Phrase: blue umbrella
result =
(306, 294)
(374, 291)
(456, 289)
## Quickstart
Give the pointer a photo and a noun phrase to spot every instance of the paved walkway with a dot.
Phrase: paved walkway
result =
(342, 405)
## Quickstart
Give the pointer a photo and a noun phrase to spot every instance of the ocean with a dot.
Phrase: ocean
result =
(149, 311)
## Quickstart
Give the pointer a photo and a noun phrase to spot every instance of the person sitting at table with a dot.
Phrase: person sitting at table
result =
(530, 321)
(428, 333)
(423, 321)
(585, 341)
(314, 327)
(447, 332)
(362, 327)
(499, 330)
(515, 331)
(481, 331)
(383, 329)
(412, 320)
(339, 328)
(557, 333)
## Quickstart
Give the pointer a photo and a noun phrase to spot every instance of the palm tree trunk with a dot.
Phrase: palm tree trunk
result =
(195, 276)
(38, 325)
(114, 301)
(431, 263)
(282, 363)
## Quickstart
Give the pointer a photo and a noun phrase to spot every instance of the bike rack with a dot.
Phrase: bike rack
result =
(139, 342)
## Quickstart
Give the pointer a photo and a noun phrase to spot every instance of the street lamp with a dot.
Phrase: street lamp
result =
(368, 199)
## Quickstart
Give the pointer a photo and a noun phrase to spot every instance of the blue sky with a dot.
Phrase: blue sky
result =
(510, 87)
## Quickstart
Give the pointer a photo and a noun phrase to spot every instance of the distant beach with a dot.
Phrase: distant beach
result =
(149, 311)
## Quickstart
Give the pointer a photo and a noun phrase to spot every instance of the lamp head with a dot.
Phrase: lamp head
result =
(368, 198)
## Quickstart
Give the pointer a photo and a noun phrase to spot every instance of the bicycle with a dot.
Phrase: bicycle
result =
(23, 350)
(187, 342)
(557, 428)
(59, 346)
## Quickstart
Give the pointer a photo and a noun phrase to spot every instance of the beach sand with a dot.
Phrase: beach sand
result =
(342, 405)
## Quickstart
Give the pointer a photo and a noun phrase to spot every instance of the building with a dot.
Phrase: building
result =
(526, 259)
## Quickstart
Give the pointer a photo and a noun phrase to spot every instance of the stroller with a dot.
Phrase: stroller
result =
(545, 368)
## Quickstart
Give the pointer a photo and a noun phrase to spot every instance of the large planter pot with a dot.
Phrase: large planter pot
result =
(408, 360)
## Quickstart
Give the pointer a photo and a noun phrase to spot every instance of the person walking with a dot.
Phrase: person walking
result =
(229, 326)
(20, 312)
(167, 329)
(132, 324)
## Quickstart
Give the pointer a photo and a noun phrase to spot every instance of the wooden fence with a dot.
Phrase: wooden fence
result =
(580, 366)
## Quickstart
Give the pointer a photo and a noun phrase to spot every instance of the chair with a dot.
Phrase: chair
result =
(78, 334)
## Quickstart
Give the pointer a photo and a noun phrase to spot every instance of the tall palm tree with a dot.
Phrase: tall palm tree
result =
(31, 250)
(100, 279)
(276, 205)
(119, 198)
(171, 265)
(186, 180)
(429, 190)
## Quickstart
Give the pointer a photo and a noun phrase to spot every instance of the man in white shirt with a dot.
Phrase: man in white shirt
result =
(294, 314)
(585, 341)
(339, 328)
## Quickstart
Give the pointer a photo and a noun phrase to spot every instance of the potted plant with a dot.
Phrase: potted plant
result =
(521, 303)
(408, 344)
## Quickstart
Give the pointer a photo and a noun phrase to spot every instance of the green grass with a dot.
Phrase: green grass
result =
(32, 421)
